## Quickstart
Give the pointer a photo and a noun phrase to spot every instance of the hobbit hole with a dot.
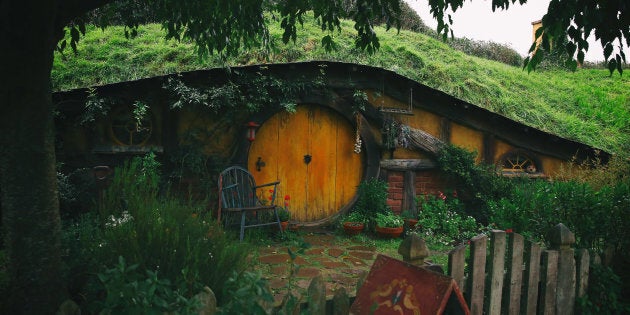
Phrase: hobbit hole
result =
(324, 128)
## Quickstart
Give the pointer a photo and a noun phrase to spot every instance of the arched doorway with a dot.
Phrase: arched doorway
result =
(311, 153)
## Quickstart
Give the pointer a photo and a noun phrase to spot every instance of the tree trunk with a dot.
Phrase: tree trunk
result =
(30, 207)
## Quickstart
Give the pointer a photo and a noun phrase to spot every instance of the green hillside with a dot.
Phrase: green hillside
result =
(588, 105)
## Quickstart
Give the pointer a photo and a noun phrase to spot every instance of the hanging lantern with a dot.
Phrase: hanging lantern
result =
(251, 130)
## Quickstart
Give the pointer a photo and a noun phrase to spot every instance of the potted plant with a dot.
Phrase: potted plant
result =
(389, 225)
(284, 215)
(353, 223)
(411, 218)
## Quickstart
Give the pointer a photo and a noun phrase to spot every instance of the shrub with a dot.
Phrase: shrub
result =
(477, 184)
(443, 218)
(389, 220)
(157, 233)
(371, 199)
(488, 50)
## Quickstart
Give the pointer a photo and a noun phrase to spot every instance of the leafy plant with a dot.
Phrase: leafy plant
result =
(283, 214)
(371, 199)
(354, 217)
(245, 291)
(477, 184)
(177, 238)
(444, 218)
(389, 220)
(128, 291)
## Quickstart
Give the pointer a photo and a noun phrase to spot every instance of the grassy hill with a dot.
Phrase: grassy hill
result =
(587, 105)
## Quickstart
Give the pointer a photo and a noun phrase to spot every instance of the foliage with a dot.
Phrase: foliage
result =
(564, 19)
(594, 216)
(353, 217)
(128, 291)
(95, 108)
(388, 220)
(488, 50)
(604, 295)
(284, 214)
(477, 184)
(596, 172)
(444, 219)
(371, 199)
(245, 291)
(157, 233)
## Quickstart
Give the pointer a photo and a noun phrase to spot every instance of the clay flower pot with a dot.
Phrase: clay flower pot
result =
(387, 232)
(353, 228)
(411, 223)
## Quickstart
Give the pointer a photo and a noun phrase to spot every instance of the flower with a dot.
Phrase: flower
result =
(508, 231)
(441, 195)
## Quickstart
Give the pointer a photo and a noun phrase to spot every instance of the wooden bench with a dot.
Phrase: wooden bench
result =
(239, 203)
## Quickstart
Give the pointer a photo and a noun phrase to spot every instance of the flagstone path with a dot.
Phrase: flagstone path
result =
(341, 264)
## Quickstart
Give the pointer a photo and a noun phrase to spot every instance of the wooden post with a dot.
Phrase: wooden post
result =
(341, 302)
(317, 296)
(496, 272)
(476, 283)
(457, 264)
(414, 250)
(512, 289)
(409, 193)
(562, 240)
(208, 302)
(583, 265)
(549, 282)
(529, 301)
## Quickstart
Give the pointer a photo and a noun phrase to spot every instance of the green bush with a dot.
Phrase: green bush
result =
(128, 291)
(166, 235)
(389, 220)
(443, 219)
(371, 199)
(477, 184)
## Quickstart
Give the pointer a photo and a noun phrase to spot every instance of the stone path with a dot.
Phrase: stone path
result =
(341, 264)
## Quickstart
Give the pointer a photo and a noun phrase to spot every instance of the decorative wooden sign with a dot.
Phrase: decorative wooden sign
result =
(396, 287)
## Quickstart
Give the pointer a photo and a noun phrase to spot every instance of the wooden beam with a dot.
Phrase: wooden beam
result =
(403, 165)
(422, 140)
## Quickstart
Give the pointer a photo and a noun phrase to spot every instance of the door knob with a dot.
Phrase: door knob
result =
(307, 159)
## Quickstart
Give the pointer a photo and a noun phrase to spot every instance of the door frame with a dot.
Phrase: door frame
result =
(371, 163)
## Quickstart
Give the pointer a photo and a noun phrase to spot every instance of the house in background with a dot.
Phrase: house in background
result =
(351, 123)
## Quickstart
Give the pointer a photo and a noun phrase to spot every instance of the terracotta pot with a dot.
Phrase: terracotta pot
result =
(411, 223)
(387, 232)
(353, 228)
(293, 227)
(284, 225)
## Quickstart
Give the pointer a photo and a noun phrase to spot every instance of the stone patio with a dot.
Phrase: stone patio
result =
(340, 265)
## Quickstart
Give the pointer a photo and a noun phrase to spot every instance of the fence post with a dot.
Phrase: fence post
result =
(477, 276)
(341, 302)
(529, 302)
(208, 302)
(583, 265)
(514, 279)
(496, 272)
(549, 282)
(317, 296)
(457, 266)
(561, 240)
(414, 250)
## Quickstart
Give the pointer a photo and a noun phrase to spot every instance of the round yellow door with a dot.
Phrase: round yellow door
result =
(311, 153)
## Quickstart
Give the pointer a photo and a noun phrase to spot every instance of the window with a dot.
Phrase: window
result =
(520, 163)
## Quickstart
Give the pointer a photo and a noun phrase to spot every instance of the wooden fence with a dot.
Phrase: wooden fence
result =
(513, 276)
(510, 276)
